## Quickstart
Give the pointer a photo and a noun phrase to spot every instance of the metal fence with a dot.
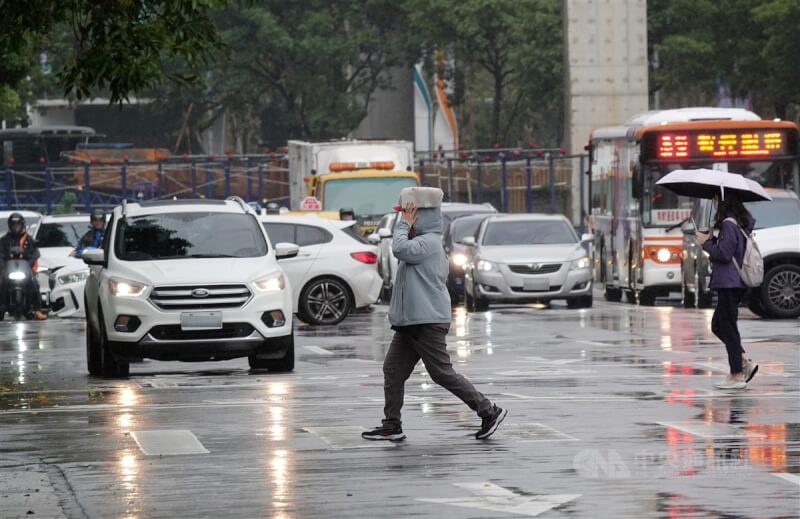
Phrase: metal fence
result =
(512, 182)
(83, 186)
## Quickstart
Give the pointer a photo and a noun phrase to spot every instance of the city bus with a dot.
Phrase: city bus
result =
(637, 224)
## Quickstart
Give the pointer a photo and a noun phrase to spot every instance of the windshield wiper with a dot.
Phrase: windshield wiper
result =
(676, 225)
(210, 256)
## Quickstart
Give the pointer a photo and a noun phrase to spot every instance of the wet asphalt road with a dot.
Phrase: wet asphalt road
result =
(611, 414)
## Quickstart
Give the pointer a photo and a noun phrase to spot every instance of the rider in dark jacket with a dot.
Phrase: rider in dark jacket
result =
(17, 236)
(94, 236)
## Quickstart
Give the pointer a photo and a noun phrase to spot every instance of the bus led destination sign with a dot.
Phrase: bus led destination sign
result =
(720, 144)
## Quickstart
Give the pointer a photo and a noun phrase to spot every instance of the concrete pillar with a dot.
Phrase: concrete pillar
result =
(606, 69)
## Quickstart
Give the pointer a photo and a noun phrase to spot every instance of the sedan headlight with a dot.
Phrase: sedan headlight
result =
(580, 263)
(17, 275)
(271, 283)
(125, 287)
(459, 260)
(487, 266)
(73, 277)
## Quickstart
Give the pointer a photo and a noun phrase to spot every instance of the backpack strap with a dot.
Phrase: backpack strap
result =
(734, 222)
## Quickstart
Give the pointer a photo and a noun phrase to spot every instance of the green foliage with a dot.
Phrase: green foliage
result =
(67, 203)
(118, 46)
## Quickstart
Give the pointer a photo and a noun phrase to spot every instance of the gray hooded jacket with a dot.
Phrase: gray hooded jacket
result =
(420, 293)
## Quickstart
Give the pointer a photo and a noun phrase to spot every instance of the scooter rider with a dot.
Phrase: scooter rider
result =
(17, 236)
(94, 236)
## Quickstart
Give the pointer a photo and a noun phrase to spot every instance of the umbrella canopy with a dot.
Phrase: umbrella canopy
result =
(705, 183)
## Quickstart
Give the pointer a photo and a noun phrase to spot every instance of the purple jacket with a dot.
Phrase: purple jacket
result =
(729, 244)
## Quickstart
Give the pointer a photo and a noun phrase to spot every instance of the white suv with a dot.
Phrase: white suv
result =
(189, 280)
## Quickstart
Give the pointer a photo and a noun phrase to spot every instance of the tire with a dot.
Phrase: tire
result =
(386, 295)
(2, 314)
(613, 295)
(93, 355)
(756, 305)
(475, 303)
(780, 291)
(630, 297)
(283, 364)
(469, 301)
(646, 298)
(325, 301)
(687, 298)
(580, 302)
(110, 366)
(702, 299)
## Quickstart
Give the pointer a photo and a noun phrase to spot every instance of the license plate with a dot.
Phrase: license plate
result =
(538, 285)
(201, 321)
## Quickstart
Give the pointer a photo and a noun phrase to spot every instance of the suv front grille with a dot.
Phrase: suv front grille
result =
(173, 332)
(216, 296)
(548, 268)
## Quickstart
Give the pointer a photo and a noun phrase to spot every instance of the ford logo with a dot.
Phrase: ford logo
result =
(200, 292)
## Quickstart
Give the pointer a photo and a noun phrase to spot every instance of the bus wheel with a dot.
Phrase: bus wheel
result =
(646, 298)
(630, 296)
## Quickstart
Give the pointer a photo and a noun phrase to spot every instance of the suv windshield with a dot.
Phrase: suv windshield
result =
(61, 234)
(189, 235)
(529, 232)
(781, 211)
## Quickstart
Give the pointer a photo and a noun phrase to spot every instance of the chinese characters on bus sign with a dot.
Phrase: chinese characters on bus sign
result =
(722, 144)
(669, 216)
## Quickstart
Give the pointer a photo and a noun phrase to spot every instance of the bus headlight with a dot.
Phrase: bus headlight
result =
(663, 255)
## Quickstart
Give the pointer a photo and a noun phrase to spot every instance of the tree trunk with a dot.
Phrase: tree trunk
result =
(497, 105)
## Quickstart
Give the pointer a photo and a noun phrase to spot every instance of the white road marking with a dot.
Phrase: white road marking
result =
(791, 478)
(339, 438)
(168, 442)
(318, 350)
(710, 429)
(535, 432)
(555, 362)
(488, 496)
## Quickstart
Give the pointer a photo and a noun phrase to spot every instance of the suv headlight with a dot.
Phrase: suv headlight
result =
(73, 277)
(271, 283)
(487, 266)
(580, 263)
(125, 287)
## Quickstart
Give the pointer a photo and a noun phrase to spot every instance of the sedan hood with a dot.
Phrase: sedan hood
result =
(197, 271)
(532, 253)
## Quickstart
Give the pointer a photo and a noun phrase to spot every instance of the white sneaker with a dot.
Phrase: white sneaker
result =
(749, 370)
(731, 383)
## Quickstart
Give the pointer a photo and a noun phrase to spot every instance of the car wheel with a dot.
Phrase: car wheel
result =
(110, 367)
(386, 295)
(613, 295)
(283, 364)
(2, 314)
(325, 301)
(481, 304)
(469, 301)
(703, 299)
(93, 358)
(780, 291)
(687, 298)
(580, 302)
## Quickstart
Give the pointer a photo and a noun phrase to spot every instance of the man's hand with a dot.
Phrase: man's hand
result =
(702, 237)
(410, 213)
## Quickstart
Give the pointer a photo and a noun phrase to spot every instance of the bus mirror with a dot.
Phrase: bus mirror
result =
(636, 184)
(688, 228)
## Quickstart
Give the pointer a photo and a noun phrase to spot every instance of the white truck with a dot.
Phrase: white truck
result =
(365, 176)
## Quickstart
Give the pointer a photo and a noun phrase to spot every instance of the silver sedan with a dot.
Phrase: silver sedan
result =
(527, 258)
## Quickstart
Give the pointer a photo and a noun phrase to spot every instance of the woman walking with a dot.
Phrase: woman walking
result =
(732, 222)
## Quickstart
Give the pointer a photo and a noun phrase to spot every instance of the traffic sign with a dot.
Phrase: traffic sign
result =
(310, 203)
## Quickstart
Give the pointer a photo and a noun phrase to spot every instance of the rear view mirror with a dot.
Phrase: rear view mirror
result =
(469, 241)
(94, 256)
(384, 233)
(286, 250)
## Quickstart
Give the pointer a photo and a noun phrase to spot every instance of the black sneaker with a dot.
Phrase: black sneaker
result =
(388, 432)
(491, 423)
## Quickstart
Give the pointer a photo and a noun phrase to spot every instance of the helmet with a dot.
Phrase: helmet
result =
(16, 218)
(97, 214)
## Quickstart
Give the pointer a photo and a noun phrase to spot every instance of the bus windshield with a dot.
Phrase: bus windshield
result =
(366, 196)
(661, 207)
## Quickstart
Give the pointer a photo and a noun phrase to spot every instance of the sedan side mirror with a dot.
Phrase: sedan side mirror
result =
(384, 233)
(374, 238)
(587, 237)
(94, 256)
(688, 228)
(469, 241)
(286, 250)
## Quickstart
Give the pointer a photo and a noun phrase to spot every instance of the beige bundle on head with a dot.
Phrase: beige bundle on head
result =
(422, 197)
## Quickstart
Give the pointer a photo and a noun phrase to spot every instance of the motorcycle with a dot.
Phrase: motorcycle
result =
(16, 279)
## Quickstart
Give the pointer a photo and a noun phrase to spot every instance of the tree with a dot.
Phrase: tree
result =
(119, 46)
(516, 43)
